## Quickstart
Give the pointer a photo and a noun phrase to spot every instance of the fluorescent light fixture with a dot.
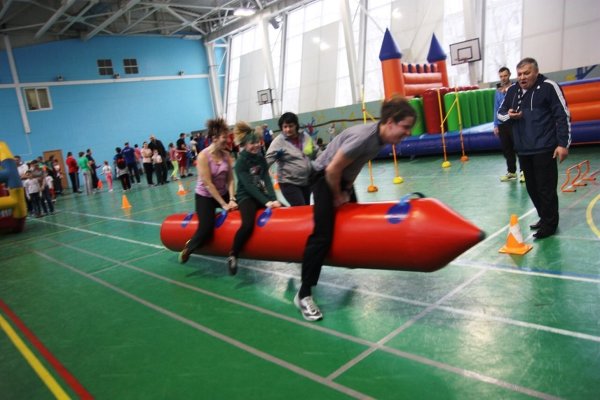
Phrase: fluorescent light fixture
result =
(244, 12)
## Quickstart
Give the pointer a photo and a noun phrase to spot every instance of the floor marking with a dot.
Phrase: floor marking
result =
(155, 246)
(217, 335)
(37, 366)
(589, 217)
(113, 218)
(371, 293)
(404, 326)
(377, 346)
(516, 270)
(56, 364)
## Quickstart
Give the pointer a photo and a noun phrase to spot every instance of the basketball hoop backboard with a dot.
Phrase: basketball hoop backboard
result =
(264, 96)
(467, 51)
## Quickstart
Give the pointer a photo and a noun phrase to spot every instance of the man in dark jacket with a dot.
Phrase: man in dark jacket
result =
(537, 111)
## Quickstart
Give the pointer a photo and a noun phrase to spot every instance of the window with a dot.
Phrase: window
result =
(37, 99)
(130, 65)
(105, 67)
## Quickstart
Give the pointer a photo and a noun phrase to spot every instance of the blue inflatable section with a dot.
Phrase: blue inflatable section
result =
(478, 138)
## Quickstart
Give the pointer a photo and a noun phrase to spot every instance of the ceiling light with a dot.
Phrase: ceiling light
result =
(244, 12)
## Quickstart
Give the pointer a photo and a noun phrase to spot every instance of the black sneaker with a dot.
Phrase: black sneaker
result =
(232, 265)
(310, 311)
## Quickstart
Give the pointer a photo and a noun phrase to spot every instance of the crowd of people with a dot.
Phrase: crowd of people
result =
(535, 127)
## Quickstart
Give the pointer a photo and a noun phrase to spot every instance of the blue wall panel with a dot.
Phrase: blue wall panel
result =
(77, 60)
(102, 116)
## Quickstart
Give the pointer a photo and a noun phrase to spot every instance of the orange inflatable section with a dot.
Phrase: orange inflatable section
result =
(583, 93)
(583, 100)
(584, 111)
(415, 235)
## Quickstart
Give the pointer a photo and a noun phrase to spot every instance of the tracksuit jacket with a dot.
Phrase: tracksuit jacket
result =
(546, 120)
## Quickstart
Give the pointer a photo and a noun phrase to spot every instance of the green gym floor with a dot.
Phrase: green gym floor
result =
(92, 305)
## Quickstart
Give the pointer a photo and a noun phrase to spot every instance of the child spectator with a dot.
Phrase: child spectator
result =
(32, 191)
(107, 172)
(47, 194)
(158, 167)
(122, 173)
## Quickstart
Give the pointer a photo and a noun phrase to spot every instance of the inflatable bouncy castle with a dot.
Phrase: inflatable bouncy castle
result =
(468, 126)
(13, 209)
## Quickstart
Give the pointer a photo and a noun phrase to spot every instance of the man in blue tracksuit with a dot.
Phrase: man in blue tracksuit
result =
(537, 111)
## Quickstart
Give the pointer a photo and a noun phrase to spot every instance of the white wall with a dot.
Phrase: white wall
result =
(561, 34)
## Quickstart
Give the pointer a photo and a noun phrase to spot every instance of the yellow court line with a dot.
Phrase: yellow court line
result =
(588, 216)
(37, 366)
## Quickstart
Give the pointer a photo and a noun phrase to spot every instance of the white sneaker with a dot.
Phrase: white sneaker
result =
(310, 311)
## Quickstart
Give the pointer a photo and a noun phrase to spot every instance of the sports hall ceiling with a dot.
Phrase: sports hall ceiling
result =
(36, 21)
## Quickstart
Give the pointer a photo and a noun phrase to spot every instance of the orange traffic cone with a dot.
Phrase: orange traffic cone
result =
(125, 202)
(99, 185)
(514, 241)
(181, 190)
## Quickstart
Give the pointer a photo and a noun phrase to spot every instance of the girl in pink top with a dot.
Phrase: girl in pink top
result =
(214, 188)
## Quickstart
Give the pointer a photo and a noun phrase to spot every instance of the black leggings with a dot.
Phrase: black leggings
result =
(205, 211)
(248, 209)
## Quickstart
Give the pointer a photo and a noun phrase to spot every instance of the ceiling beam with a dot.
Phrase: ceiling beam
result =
(65, 6)
(241, 23)
(111, 19)
(5, 8)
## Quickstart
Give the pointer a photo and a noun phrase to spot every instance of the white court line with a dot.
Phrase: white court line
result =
(403, 327)
(510, 321)
(217, 335)
(113, 218)
(480, 265)
(155, 246)
(423, 360)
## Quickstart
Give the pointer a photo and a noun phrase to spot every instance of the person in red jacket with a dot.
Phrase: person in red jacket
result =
(73, 172)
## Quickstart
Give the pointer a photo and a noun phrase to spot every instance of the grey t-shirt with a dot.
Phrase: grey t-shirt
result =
(360, 143)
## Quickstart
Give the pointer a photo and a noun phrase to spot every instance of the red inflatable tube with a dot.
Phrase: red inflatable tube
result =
(413, 235)
(431, 77)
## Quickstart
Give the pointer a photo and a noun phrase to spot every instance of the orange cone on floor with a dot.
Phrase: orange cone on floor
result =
(514, 241)
(99, 185)
(125, 202)
(181, 190)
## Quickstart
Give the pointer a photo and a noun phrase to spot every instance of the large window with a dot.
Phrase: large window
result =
(503, 23)
(38, 99)
(315, 73)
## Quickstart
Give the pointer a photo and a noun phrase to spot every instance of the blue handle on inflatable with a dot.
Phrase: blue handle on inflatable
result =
(221, 218)
(264, 217)
(186, 220)
(398, 212)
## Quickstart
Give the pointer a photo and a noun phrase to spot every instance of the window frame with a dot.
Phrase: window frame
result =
(105, 67)
(37, 91)
(132, 68)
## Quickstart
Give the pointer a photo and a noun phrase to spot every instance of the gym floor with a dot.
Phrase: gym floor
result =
(92, 304)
